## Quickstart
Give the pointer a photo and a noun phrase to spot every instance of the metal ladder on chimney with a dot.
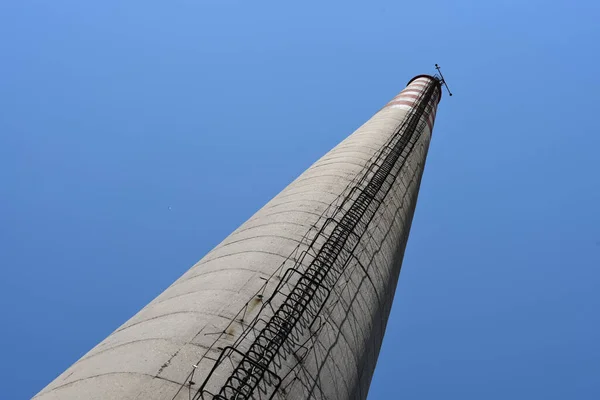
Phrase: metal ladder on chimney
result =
(312, 289)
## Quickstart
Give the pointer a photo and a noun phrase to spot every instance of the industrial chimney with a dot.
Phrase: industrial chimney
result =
(294, 303)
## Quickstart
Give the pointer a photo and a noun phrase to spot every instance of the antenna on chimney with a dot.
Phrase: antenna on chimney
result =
(442, 80)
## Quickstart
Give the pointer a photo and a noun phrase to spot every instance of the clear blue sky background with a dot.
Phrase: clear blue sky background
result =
(135, 135)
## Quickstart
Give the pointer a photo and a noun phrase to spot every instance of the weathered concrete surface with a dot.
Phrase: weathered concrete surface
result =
(152, 355)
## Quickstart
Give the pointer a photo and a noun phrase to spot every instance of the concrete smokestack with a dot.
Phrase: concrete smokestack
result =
(294, 303)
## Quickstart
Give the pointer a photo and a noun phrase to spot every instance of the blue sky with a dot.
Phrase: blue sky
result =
(135, 135)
